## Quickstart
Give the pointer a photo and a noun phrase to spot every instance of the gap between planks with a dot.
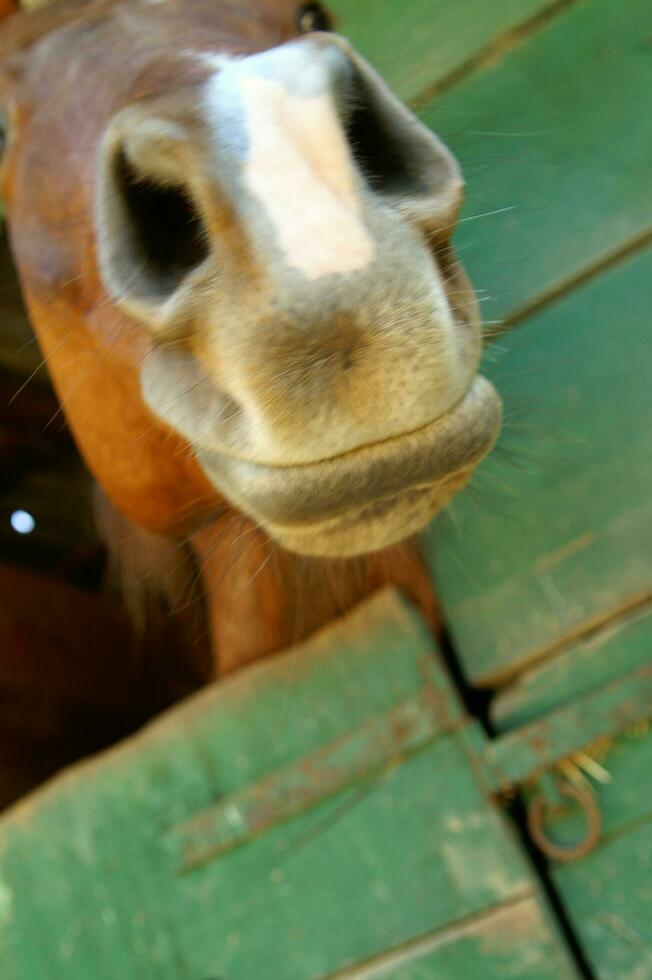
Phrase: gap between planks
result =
(493, 52)
(408, 953)
(502, 679)
(625, 251)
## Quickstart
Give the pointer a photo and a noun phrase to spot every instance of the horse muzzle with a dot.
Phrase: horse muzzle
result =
(370, 498)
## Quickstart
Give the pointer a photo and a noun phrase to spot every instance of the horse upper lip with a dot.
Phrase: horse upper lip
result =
(312, 492)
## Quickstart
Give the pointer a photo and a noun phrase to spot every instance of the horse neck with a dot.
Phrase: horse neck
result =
(260, 599)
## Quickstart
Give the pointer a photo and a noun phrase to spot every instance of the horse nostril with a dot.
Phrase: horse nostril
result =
(162, 226)
(383, 159)
(388, 158)
(151, 234)
(396, 155)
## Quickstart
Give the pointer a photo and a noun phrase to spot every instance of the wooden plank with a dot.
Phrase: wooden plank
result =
(608, 899)
(552, 137)
(623, 763)
(571, 543)
(420, 43)
(518, 941)
(606, 893)
(603, 713)
(622, 793)
(395, 858)
(360, 756)
(621, 647)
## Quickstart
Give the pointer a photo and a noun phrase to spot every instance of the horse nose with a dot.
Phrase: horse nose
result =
(302, 146)
(317, 145)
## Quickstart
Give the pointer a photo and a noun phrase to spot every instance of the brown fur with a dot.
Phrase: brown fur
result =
(258, 598)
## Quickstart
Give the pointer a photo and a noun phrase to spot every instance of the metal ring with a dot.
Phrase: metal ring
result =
(536, 817)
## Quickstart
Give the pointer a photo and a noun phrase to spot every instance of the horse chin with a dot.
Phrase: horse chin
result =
(369, 499)
(373, 528)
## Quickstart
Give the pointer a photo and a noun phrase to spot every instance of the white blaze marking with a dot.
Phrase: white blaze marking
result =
(300, 170)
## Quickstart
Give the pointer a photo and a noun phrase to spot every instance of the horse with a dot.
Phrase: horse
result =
(234, 243)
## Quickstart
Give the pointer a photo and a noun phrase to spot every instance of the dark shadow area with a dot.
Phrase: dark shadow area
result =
(75, 677)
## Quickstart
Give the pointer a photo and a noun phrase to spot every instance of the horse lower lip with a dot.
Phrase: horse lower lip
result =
(378, 525)
(300, 495)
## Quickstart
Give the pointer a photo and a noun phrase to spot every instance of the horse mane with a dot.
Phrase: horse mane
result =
(265, 598)
(153, 576)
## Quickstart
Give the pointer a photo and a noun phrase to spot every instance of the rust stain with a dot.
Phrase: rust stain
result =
(385, 740)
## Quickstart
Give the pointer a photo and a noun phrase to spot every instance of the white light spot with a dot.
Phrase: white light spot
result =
(22, 522)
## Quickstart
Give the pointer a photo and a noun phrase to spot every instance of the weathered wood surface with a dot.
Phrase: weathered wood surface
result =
(411, 851)
(422, 43)
(617, 651)
(561, 538)
(533, 749)
(608, 899)
(556, 153)
(606, 895)
(556, 134)
(483, 946)
(620, 647)
(542, 104)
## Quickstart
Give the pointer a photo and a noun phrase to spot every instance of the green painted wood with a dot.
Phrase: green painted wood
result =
(625, 800)
(623, 795)
(418, 43)
(616, 653)
(405, 729)
(604, 712)
(562, 539)
(89, 885)
(608, 898)
(518, 941)
(622, 647)
(555, 132)
(606, 894)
